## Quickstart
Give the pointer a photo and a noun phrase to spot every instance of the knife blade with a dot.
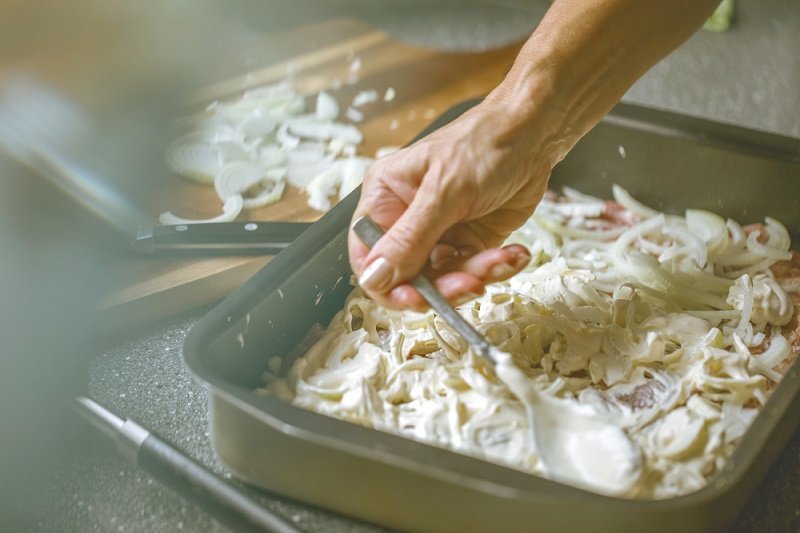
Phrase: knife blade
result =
(223, 238)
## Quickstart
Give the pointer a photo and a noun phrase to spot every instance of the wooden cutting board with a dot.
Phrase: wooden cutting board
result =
(426, 83)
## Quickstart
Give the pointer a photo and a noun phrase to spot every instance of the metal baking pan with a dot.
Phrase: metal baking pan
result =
(669, 161)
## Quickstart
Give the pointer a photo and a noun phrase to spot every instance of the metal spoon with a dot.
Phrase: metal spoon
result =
(369, 233)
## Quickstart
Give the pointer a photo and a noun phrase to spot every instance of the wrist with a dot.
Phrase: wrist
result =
(534, 112)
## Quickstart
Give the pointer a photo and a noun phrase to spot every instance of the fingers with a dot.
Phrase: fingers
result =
(462, 280)
(491, 266)
(387, 191)
(456, 287)
(405, 248)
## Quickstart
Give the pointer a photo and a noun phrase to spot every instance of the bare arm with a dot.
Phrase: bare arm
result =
(454, 196)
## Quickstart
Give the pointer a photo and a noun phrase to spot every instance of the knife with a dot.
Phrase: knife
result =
(222, 238)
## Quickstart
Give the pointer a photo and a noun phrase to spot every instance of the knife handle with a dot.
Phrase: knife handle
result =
(222, 238)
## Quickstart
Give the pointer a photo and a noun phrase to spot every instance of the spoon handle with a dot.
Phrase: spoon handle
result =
(369, 233)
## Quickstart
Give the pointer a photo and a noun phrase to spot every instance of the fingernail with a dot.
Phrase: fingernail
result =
(502, 271)
(521, 260)
(377, 276)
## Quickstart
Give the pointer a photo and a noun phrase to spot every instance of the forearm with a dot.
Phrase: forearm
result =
(582, 58)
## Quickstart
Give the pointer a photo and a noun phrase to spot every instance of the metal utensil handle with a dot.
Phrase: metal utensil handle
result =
(369, 233)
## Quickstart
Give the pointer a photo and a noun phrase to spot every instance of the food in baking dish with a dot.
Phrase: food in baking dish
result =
(671, 330)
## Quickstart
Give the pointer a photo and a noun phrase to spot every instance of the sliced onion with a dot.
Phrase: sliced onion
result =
(705, 280)
(303, 166)
(738, 237)
(644, 269)
(778, 234)
(279, 107)
(752, 269)
(257, 124)
(231, 209)
(694, 246)
(627, 201)
(539, 241)
(222, 133)
(273, 190)
(364, 97)
(277, 99)
(354, 114)
(746, 284)
(335, 146)
(253, 144)
(708, 227)
(578, 209)
(720, 314)
(271, 156)
(197, 161)
(578, 233)
(286, 139)
(577, 196)
(778, 350)
(322, 187)
(327, 107)
(231, 151)
(237, 177)
(323, 131)
(766, 251)
(353, 170)
(737, 259)
(639, 230)
(778, 244)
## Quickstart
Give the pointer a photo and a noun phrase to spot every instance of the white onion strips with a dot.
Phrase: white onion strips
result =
(230, 210)
(197, 161)
(663, 352)
(250, 147)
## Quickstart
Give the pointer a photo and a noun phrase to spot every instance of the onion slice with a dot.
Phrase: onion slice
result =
(231, 209)
(766, 251)
(327, 107)
(630, 203)
(271, 156)
(272, 192)
(194, 160)
(777, 246)
(709, 227)
(322, 187)
(236, 178)
(323, 131)
(353, 170)
(251, 146)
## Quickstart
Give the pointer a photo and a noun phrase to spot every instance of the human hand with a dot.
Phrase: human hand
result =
(446, 203)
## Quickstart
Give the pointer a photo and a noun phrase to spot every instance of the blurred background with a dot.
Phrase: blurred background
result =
(86, 92)
(88, 89)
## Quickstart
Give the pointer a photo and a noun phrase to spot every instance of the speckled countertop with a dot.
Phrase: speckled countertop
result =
(748, 76)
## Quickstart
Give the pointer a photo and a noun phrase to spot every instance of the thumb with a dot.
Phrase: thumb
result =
(405, 248)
